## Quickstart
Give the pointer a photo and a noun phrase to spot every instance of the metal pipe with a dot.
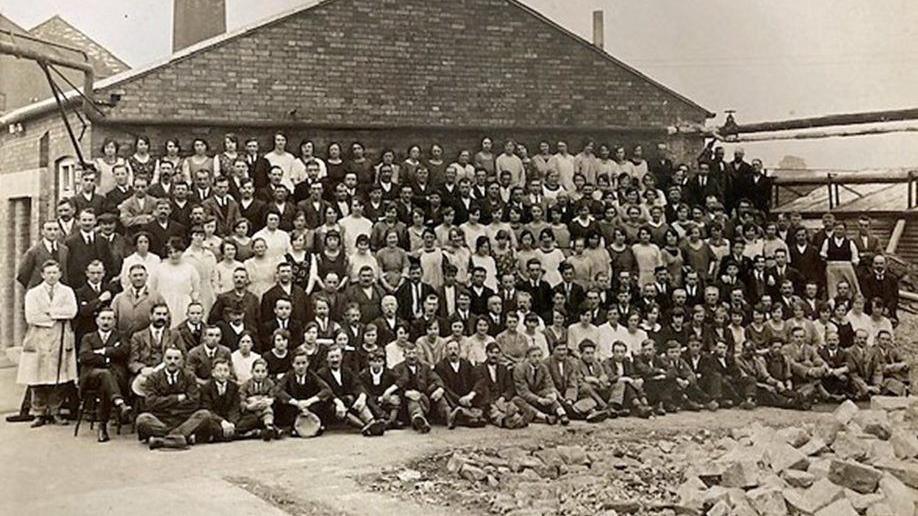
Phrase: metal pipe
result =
(897, 232)
(824, 121)
(819, 135)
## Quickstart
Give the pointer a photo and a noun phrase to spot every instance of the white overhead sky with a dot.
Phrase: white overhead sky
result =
(767, 59)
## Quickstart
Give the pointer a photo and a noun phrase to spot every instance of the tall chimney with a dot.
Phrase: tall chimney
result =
(196, 20)
(598, 30)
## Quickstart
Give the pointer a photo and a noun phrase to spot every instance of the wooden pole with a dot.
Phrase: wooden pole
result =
(893, 115)
(818, 135)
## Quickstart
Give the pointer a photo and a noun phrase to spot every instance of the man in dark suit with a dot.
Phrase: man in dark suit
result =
(222, 206)
(220, 395)
(284, 288)
(388, 321)
(231, 330)
(536, 395)
(162, 228)
(181, 204)
(85, 247)
(782, 271)
(200, 360)
(239, 297)
(702, 185)
(448, 293)
(756, 187)
(478, 292)
(202, 188)
(761, 280)
(191, 330)
(867, 244)
(366, 294)
(494, 391)
(103, 362)
(251, 208)
(413, 293)
(162, 189)
(87, 197)
(48, 248)
(149, 344)
(574, 295)
(66, 222)
(121, 191)
(537, 288)
(736, 176)
(458, 376)
(281, 319)
(275, 180)
(421, 388)
(258, 165)
(91, 296)
(880, 283)
(349, 396)
(661, 166)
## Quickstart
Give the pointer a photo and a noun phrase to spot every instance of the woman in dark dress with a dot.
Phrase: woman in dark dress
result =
(141, 162)
(225, 160)
(436, 167)
(360, 166)
(332, 259)
(301, 262)
(335, 164)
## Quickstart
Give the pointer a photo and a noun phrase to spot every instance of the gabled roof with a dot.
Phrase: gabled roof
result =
(58, 30)
(624, 92)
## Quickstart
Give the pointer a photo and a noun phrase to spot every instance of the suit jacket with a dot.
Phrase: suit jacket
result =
(229, 337)
(182, 214)
(628, 369)
(533, 382)
(541, 295)
(456, 383)
(96, 202)
(248, 302)
(405, 298)
(369, 306)
(488, 391)
(297, 297)
(146, 353)
(757, 190)
(201, 365)
(424, 379)
(159, 191)
(350, 383)
(80, 254)
(574, 300)
(88, 302)
(385, 331)
(479, 302)
(226, 216)
(132, 313)
(162, 397)
(567, 382)
(759, 287)
(840, 359)
(196, 196)
(190, 337)
(592, 371)
(114, 356)
(697, 193)
(315, 216)
(114, 198)
(441, 295)
(386, 380)
(267, 328)
(790, 273)
(886, 289)
(809, 263)
(289, 389)
(131, 212)
(159, 235)
(225, 407)
(29, 273)
(258, 169)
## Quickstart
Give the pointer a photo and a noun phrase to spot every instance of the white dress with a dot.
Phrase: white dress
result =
(179, 285)
(150, 261)
(261, 274)
(223, 275)
(550, 263)
(205, 262)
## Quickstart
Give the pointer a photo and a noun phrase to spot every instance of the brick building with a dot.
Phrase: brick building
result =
(388, 73)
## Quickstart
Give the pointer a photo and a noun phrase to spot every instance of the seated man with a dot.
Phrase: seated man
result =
(458, 378)
(301, 391)
(220, 396)
(626, 394)
(421, 388)
(594, 382)
(862, 365)
(780, 369)
(564, 371)
(687, 394)
(349, 396)
(728, 385)
(659, 387)
(807, 368)
(201, 357)
(892, 372)
(536, 394)
(103, 359)
(174, 417)
(382, 391)
(256, 401)
(837, 380)
(495, 393)
(149, 344)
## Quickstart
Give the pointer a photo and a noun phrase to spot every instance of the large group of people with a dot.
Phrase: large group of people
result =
(248, 295)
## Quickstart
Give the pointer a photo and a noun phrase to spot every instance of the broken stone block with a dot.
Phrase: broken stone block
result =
(768, 500)
(715, 494)
(827, 430)
(873, 422)
(861, 502)
(854, 476)
(848, 446)
(814, 446)
(455, 463)
(772, 480)
(904, 444)
(819, 468)
(881, 509)
(845, 412)
(550, 456)
(838, 508)
(890, 403)
(522, 462)
(573, 455)
(880, 451)
(794, 436)
(743, 474)
(907, 472)
(472, 473)
(899, 498)
(721, 508)
(691, 493)
(780, 456)
(796, 478)
(820, 494)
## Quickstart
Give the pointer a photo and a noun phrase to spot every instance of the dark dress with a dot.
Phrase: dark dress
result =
(300, 269)
(142, 169)
(364, 171)
(338, 265)
(336, 173)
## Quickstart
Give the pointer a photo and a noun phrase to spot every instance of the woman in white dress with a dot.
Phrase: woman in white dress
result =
(204, 261)
(550, 256)
(223, 271)
(105, 177)
(261, 268)
(143, 256)
(482, 258)
(179, 281)
(279, 157)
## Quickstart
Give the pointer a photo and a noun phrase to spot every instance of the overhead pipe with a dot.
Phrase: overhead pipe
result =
(893, 115)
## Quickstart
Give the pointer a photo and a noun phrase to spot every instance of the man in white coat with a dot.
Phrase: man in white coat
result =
(48, 359)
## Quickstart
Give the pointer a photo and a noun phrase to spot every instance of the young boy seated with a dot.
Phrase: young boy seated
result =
(494, 391)
(837, 380)
(658, 385)
(301, 391)
(220, 395)
(278, 359)
(536, 394)
(626, 396)
(687, 394)
(256, 397)
(458, 376)
(421, 388)
(348, 395)
(381, 388)
(727, 385)
(565, 373)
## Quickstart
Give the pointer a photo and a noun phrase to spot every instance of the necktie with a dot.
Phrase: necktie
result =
(89, 239)
(158, 337)
(54, 247)
(257, 387)
(493, 374)
(51, 292)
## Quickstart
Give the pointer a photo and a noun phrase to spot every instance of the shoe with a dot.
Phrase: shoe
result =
(712, 406)
(268, 434)
(39, 421)
(103, 434)
(451, 418)
(726, 404)
(693, 406)
(660, 410)
(670, 408)
(58, 420)
(644, 412)
(374, 428)
(420, 424)
(20, 418)
(552, 419)
(124, 412)
(597, 416)
(564, 420)
(747, 405)
(156, 443)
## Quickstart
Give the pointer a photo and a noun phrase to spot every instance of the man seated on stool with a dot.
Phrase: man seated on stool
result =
(103, 358)
(174, 417)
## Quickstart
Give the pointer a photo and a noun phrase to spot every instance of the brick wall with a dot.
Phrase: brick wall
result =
(405, 62)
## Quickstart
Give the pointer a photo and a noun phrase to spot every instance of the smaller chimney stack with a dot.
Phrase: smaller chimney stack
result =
(598, 30)
(196, 20)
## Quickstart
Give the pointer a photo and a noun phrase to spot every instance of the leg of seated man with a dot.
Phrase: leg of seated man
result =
(200, 424)
(149, 425)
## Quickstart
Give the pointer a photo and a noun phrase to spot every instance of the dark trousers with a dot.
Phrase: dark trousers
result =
(201, 424)
(724, 387)
(106, 383)
(285, 415)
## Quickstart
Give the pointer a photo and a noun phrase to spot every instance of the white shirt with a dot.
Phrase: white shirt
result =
(336, 374)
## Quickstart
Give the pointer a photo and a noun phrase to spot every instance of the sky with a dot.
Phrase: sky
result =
(766, 59)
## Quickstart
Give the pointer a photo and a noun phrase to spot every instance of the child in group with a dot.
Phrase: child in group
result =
(256, 398)
(687, 394)
(278, 359)
(382, 391)
(243, 358)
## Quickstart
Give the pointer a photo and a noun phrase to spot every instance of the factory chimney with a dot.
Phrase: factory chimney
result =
(598, 30)
(196, 20)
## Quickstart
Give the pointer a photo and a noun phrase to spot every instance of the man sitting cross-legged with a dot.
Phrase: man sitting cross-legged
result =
(103, 358)
(256, 403)
(382, 391)
(593, 382)
(837, 379)
(536, 394)
(495, 392)
(458, 377)
(659, 387)
(626, 393)
(565, 371)
(349, 395)
(687, 394)
(422, 389)
(726, 383)
(174, 417)
(301, 391)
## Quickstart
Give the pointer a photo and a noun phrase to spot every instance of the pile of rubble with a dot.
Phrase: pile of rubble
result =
(857, 462)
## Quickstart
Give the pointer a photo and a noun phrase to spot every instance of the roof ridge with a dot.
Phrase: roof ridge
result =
(61, 19)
